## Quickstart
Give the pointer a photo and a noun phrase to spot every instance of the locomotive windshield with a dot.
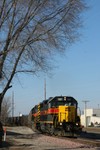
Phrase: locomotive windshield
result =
(67, 103)
(61, 101)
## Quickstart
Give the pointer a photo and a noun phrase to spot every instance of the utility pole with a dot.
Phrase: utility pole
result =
(12, 106)
(85, 102)
(45, 89)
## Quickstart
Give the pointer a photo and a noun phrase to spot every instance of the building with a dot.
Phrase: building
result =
(91, 117)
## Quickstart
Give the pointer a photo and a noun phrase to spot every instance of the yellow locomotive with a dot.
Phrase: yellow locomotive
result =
(56, 115)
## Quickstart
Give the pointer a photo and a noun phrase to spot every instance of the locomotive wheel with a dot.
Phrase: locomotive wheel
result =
(70, 134)
(55, 132)
(63, 133)
(52, 130)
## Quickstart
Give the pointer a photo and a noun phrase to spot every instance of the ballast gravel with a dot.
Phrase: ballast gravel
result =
(25, 138)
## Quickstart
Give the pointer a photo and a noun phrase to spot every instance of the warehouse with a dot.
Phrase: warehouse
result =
(90, 117)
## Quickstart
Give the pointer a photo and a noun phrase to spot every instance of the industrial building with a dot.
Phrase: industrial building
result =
(91, 117)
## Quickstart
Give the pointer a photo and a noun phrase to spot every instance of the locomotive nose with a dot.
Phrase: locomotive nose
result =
(66, 114)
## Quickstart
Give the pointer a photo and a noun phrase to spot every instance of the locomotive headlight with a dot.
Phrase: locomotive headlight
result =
(60, 123)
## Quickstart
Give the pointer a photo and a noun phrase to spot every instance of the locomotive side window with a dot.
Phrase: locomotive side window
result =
(49, 105)
(70, 104)
(53, 104)
(60, 99)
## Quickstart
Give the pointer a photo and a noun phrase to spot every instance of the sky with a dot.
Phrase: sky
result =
(77, 73)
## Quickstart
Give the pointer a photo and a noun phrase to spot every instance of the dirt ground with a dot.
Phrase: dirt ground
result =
(23, 138)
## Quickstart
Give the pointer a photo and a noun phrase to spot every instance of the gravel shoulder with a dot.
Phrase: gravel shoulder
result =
(24, 138)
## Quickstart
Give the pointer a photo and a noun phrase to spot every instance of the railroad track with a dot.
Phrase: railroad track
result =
(87, 141)
(89, 137)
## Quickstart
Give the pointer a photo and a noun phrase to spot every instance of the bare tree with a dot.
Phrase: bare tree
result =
(5, 109)
(31, 31)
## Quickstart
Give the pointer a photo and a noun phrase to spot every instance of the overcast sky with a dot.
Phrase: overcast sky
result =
(77, 73)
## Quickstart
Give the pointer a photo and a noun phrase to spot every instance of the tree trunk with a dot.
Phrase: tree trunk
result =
(1, 127)
(1, 99)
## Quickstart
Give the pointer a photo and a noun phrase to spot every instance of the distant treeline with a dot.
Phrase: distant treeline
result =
(18, 120)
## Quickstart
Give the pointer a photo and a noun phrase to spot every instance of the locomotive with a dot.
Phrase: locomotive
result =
(57, 115)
